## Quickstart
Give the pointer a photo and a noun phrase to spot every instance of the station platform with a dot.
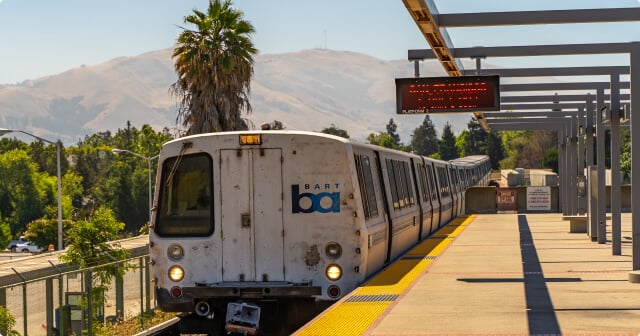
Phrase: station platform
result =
(498, 274)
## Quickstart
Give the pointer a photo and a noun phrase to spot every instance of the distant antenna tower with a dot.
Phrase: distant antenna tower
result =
(325, 39)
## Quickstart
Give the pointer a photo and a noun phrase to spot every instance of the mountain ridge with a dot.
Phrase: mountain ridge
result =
(305, 90)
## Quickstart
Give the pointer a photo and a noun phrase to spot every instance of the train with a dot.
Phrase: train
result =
(252, 231)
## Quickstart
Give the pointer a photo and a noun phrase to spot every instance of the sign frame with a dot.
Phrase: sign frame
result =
(459, 93)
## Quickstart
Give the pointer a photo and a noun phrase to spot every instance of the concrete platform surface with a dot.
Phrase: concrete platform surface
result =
(512, 274)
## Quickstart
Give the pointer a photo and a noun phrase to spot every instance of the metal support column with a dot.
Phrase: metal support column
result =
(582, 200)
(573, 166)
(562, 163)
(602, 205)
(593, 205)
(634, 57)
(616, 220)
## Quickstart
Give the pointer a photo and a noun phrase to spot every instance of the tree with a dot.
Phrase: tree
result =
(392, 130)
(514, 143)
(89, 246)
(22, 190)
(551, 159)
(89, 240)
(274, 125)
(5, 232)
(214, 64)
(625, 154)
(476, 142)
(424, 139)
(494, 149)
(461, 140)
(382, 139)
(7, 322)
(44, 232)
(335, 131)
(119, 182)
(447, 144)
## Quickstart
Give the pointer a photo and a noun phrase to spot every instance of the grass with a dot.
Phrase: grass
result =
(133, 325)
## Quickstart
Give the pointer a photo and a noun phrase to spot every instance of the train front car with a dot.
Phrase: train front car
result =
(252, 229)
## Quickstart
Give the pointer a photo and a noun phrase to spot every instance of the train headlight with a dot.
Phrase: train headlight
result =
(175, 252)
(333, 250)
(176, 273)
(333, 272)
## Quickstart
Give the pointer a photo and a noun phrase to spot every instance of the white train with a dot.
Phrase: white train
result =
(252, 227)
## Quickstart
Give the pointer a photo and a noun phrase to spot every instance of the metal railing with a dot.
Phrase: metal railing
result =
(39, 305)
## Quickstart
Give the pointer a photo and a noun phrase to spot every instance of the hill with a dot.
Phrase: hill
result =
(306, 90)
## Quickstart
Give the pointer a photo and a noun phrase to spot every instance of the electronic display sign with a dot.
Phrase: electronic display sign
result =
(447, 94)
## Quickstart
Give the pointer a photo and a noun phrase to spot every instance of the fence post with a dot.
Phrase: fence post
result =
(3, 303)
(88, 280)
(119, 294)
(147, 276)
(49, 304)
(60, 294)
(24, 301)
(141, 265)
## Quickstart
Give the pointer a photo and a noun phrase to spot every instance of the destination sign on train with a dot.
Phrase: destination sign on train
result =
(447, 94)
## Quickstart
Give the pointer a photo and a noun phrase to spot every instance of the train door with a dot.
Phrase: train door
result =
(435, 197)
(424, 199)
(252, 223)
(453, 182)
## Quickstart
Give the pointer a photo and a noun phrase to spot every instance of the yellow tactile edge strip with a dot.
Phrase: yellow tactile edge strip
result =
(356, 312)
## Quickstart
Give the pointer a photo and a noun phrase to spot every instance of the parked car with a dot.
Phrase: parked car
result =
(28, 247)
(14, 243)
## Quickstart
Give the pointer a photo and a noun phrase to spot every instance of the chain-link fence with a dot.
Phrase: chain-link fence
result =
(60, 301)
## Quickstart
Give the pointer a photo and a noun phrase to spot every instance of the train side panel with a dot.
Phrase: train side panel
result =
(374, 209)
(403, 207)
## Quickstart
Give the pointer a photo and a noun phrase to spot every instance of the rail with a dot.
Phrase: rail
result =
(166, 328)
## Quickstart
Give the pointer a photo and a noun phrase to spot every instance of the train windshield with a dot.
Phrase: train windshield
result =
(185, 207)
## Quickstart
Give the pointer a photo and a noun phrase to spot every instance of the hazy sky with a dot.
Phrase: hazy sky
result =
(46, 37)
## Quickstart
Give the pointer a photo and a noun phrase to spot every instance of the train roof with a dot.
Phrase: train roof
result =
(466, 160)
(283, 132)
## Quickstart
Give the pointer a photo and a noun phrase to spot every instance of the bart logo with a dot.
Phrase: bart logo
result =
(314, 202)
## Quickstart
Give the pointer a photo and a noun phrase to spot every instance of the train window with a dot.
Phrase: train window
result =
(185, 207)
(409, 189)
(432, 182)
(454, 179)
(444, 182)
(392, 184)
(400, 184)
(367, 190)
(423, 182)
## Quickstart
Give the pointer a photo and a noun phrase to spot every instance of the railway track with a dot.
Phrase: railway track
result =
(167, 328)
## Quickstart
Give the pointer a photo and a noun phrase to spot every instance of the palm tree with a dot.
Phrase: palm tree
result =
(214, 63)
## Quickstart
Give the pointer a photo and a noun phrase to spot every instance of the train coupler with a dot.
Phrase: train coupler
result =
(242, 318)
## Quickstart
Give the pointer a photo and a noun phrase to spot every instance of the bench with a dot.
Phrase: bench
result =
(577, 223)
